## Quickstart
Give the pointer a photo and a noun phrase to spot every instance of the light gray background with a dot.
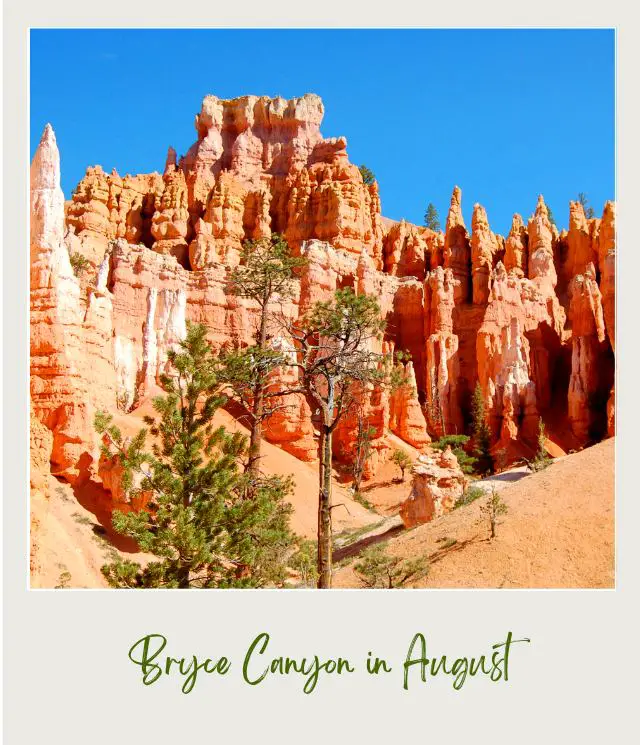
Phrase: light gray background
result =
(67, 678)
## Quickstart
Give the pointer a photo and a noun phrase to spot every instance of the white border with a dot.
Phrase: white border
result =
(69, 679)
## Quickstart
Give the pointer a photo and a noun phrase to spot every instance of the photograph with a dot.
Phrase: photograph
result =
(322, 308)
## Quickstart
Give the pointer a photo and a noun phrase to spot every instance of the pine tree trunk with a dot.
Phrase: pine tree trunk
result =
(324, 510)
(255, 441)
(183, 577)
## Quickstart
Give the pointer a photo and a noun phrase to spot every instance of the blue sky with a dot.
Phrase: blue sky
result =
(504, 114)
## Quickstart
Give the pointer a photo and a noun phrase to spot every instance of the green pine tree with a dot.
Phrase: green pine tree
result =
(588, 210)
(552, 219)
(368, 176)
(265, 276)
(431, 218)
(362, 447)
(198, 521)
(402, 459)
(481, 433)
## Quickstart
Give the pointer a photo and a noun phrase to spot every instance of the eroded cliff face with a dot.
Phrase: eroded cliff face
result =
(531, 317)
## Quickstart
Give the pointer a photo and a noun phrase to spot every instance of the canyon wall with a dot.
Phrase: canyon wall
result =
(530, 317)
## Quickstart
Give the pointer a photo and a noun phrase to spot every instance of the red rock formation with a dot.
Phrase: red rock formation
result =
(606, 246)
(406, 417)
(585, 314)
(408, 250)
(540, 244)
(456, 251)
(105, 207)
(442, 364)
(606, 249)
(437, 483)
(581, 248)
(515, 259)
(512, 377)
(71, 352)
(170, 221)
(484, 245)
(290, 425)
(466, 307)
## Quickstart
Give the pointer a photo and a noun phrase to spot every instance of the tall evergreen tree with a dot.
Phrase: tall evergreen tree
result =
(197, 519)
(588, 211)
(481, 433)
(333, 354)
(362, 447)
(265, 276)
(431, 217)
(552, 218)
(368, 176)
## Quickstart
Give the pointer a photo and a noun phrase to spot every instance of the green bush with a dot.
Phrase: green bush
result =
(79, 263)
(493, 508)
(401, 459)
(378, 570)
(304, 562)
(357, 497)
(541, 459)
(470, 495)
(457, 443)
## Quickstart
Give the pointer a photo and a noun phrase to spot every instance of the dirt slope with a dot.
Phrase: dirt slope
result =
(558, 532)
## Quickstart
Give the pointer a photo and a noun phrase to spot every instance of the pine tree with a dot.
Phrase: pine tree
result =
(541, 459)
(401, 459)
(362, 451)
(197, 519)
(368, 176)
(552, 219)
(493, 508)
(588, 211)
(332, 353)
(265, 276)
(431, 218)
(481, 433)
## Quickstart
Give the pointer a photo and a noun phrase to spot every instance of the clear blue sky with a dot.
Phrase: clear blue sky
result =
(504, 114)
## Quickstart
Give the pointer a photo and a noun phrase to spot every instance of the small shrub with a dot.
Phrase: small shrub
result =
(82, 519)
(122, 401)
(401, 459)
(378, 570)
(79, 263)
(541, 459)
(493, 508)
(364, 435)
(447, 542)
(63, 581)
(470, 495)
(357, 496)
(304, 562)
(62, 494)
